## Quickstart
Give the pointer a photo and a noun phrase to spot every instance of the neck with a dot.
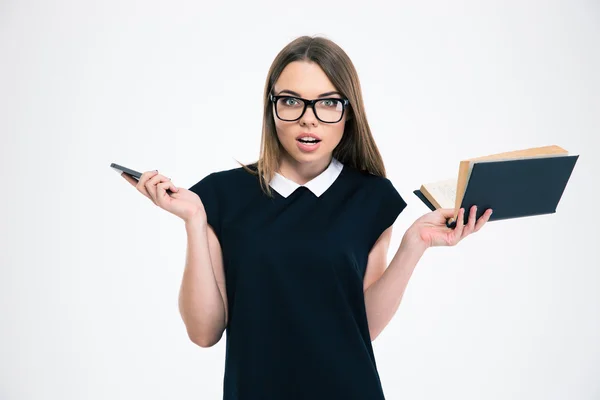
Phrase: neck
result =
(302, 172)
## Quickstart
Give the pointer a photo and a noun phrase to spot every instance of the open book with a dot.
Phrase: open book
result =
(514, 184)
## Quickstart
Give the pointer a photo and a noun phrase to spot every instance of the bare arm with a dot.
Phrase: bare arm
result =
(383, 297)
(202, 296)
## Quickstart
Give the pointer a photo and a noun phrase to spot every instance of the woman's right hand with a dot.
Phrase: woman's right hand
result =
(182, 202)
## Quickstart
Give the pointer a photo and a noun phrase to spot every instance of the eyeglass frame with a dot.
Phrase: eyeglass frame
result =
(309, 103)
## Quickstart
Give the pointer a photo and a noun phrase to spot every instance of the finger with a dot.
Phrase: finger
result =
(163, 186)
(148, 175)
(151, 186)
(173, 188)
(156, 179)
(447, 214)
(161, 190)
(129, 178)
(483, 219)
(471, 223)
(141, 185)
(460, 225)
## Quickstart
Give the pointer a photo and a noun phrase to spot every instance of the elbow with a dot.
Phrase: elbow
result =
(205, 341)
(373, 335)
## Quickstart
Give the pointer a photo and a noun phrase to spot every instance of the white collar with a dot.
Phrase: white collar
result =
(318, 185)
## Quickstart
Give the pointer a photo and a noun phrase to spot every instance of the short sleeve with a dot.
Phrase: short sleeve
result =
(388, 204)
(206, 189)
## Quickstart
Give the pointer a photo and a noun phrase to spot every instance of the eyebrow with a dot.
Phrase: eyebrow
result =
(321, 95)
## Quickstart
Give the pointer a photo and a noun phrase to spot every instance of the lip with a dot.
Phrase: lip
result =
(307, 148)
(306, 134)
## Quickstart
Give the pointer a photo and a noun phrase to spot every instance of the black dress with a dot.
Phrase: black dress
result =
(294, 269)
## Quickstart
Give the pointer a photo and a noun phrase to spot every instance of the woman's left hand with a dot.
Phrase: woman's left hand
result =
(431, 229)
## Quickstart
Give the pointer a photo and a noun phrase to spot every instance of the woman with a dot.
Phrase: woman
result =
(288, 255)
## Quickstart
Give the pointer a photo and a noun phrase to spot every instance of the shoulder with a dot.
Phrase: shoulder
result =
(372, 183)
(380, 190)
(220, 192)
(381, 203)
(228, 174)
(225, 180)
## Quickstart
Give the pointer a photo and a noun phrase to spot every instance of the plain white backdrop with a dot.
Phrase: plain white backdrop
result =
(90, 269)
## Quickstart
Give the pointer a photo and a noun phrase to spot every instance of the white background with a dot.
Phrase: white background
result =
(90, 269)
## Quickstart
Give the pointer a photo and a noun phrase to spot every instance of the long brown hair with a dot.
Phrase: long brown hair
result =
(357, 147)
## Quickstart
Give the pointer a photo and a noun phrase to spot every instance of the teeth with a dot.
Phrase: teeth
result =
(308, 139)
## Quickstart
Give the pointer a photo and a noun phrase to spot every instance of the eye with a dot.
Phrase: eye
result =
(290, 101)
(332, 103)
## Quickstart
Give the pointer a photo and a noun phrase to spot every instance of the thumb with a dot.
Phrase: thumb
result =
(449, 214)
(171, 186)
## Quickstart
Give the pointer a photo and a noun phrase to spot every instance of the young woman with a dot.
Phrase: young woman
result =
(288, 255)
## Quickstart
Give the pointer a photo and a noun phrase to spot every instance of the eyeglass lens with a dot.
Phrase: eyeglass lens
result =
(328, 110)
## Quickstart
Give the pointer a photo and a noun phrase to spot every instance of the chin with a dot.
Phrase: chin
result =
(311, 157)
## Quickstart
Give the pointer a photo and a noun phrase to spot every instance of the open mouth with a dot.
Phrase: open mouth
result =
(308, 141)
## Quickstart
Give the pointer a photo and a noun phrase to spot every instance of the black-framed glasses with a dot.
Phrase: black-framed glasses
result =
(291, 108)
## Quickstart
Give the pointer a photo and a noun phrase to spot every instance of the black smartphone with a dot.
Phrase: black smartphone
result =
(131, 172)
(121, 169)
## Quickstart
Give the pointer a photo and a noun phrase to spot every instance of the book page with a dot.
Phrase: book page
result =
(483, 160)
(444, 192)
(534, 152)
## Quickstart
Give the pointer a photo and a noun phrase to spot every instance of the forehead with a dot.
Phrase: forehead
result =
(305, 78)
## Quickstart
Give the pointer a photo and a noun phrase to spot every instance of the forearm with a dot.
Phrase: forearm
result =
(200, 302)
(383, 297)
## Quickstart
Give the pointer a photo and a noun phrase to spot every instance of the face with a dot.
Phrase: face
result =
(308, 81)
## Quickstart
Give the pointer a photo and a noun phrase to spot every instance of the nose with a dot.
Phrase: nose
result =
(309, 117)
